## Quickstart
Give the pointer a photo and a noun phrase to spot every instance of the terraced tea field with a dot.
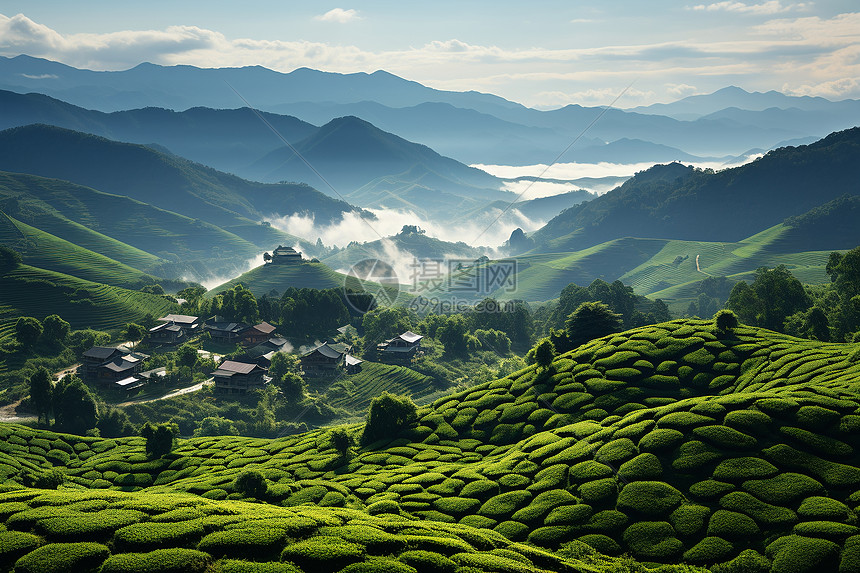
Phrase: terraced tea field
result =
(29, 291)
(674, 443)
(374, 378)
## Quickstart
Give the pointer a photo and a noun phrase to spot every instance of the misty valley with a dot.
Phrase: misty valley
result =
(373, 326)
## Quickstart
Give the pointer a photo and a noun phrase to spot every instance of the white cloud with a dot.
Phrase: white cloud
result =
(767, 8)
(836, 89)
(799, 52)
(681, 90)
(581, 21)
(338, 15)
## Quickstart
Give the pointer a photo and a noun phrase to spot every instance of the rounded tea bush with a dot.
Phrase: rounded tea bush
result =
(649, 498)
(63, 558)
(174, 560)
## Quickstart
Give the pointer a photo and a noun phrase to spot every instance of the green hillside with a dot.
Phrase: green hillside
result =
(261, 280)
(674, 442)
(30, 291)
(50, 205)
(43, 250)
(160, 179)
(355, 391)
(680, 202)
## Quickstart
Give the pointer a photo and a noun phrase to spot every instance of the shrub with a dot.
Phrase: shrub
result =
(375, 540)
(748, 561)
(174, 560)
(160, 438)
(606, 521)
(63, 558)
(649, 498)
(732, 525)
(589, 470)
(551, 536)
(384, 506)
(784, 488)
(427, 561)
(378, 565)
(827, 529)
(760, 511)
(569, 514)
(725, 437)
(323, 553)
(816, 417)
(85, 526)
(643, 466)
(815, 507)
(737, 469)
(505, 504)
(796, 554)
(601, 543)
(709, 550)
(14, 544)
(652, 540)
(388, 415)
(140, 536)
(725, 320)
(513, 530)
(850, 555)
(598, 490)
(234, 566)
(250, 483)
(616, 451)
(747, 420)
(251, 541)
(661, 439)
(542, 505)
(689, 518)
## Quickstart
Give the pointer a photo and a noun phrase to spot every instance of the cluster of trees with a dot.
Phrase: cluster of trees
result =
(617, 296)
(73, 406)
(778, 301)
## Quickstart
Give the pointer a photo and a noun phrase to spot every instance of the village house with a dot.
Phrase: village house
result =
(190, 325)
(283, 255)
(327, 358)
(401, 348)
(225, 331)
(166, 333)
(262, 353)
(112, 367)
(234, 377)
(258, 333)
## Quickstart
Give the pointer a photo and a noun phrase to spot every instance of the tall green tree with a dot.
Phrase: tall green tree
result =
(774, 295)
(286, 373)
(589, 321)
(41, 391)
(27, 331)
(55, 329)
(160, 438)
(135, 332)
(388, 415)
(544, 352)
(75, 409)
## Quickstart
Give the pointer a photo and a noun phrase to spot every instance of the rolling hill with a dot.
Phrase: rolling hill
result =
(673, 201)
(350, 152)
(162, 180)
(266, 277)
(674, 443)
(226, 139)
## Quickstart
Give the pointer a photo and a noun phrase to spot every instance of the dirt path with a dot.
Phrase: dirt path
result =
(698, 268)
(171, 394)
(70, 370)
(8, 414)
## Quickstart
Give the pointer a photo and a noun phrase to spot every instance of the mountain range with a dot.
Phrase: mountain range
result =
(468, 126)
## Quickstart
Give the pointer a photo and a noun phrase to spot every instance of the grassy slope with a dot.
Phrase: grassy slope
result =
(672, 442)
(648, 265)
(373, 379)
(46, 251)
(262, 279)
(30, 291)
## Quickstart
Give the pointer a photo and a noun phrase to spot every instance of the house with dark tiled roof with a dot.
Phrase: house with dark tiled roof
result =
(401, 348)
(107, 366)
(328, 357)
(166, 333)
(225, 331)
(190, 325)
(233, 377)
(258, 333)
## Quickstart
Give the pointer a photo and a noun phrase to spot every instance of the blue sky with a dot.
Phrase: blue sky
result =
(543, 54)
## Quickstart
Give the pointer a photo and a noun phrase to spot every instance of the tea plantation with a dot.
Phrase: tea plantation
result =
(676, 444)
